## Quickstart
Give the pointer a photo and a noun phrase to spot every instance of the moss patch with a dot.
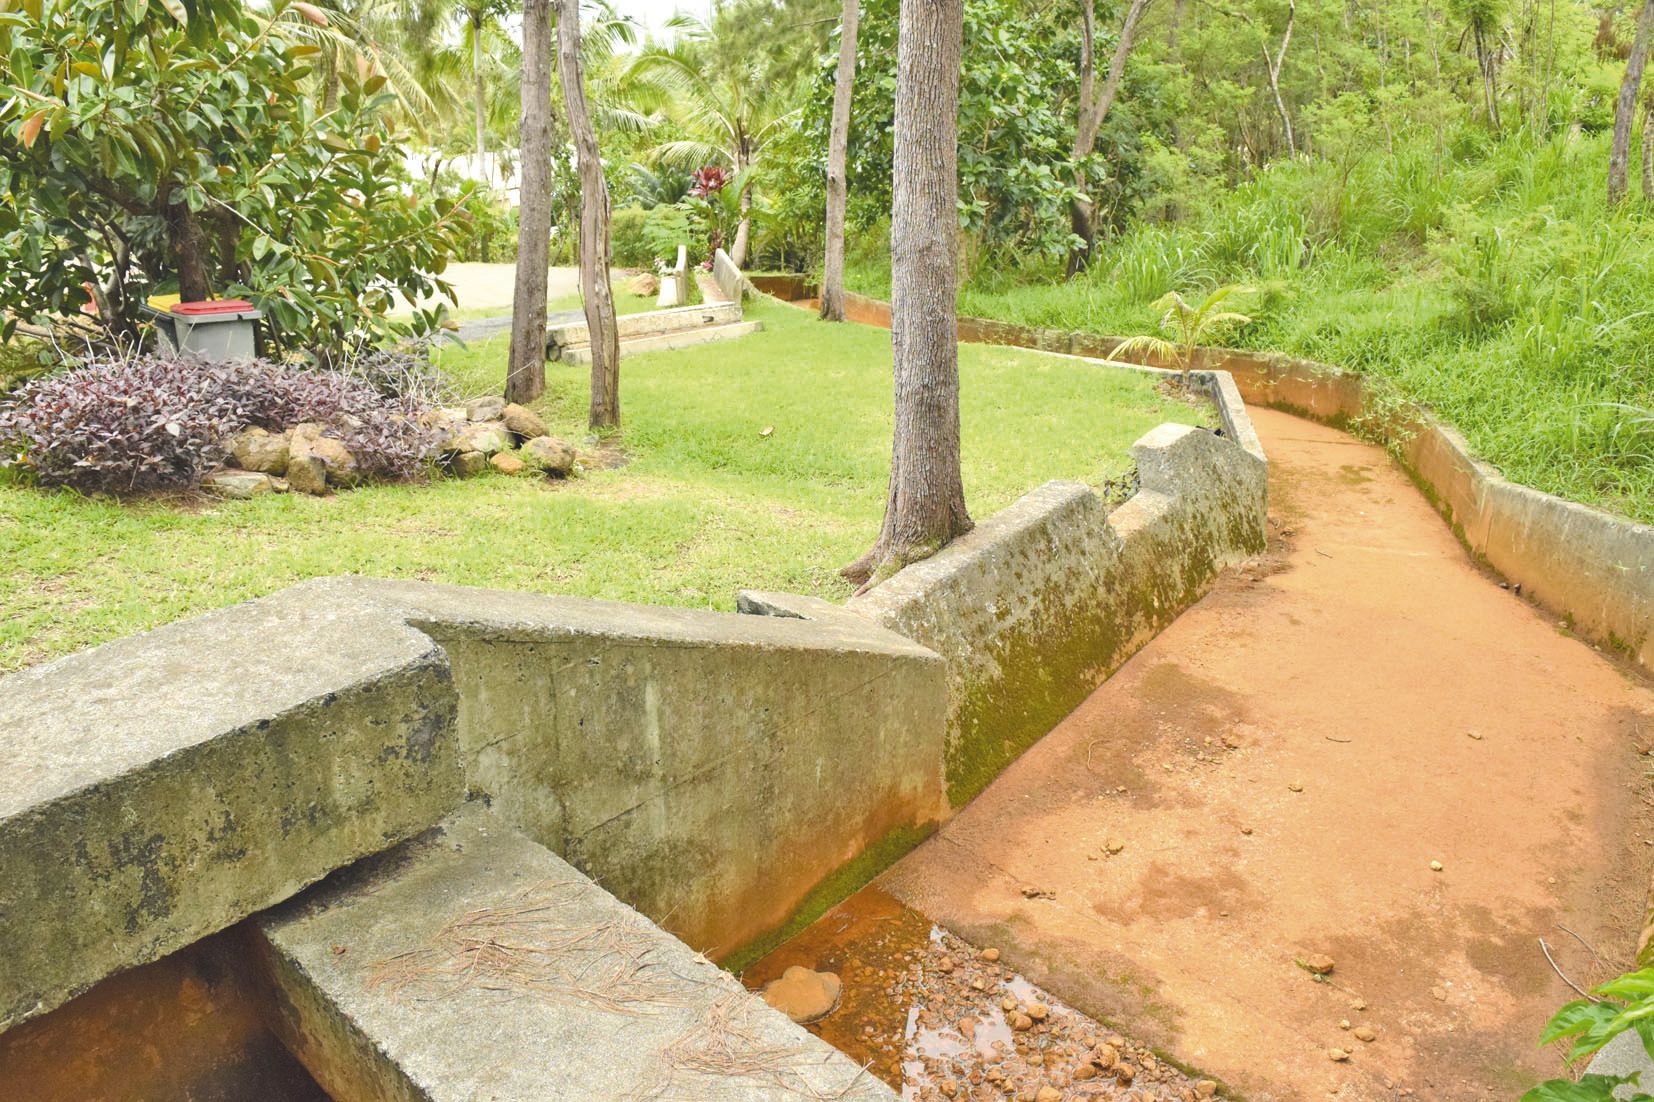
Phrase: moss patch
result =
(838, 886)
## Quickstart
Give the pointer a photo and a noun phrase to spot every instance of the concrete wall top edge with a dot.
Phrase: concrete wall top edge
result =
(97, 714)
(530, 617)
(963, 557)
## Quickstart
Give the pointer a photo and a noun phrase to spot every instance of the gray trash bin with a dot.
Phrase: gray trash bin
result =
(218, 329)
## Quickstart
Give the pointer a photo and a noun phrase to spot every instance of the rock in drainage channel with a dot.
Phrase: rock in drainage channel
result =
(939, 1019)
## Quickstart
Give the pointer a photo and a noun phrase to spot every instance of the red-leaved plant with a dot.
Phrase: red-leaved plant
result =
(149, 423)
(708, 179)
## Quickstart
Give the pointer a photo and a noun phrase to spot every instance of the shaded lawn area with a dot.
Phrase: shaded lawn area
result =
(706, 505)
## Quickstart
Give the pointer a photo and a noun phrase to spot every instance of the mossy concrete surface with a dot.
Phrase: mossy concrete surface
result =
(1041, 602)
(166, 785)
(709, 769)
(384, 991)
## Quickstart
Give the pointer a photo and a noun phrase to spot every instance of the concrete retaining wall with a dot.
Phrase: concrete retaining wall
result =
(167, 785)
(709, 769)
(1037, 605)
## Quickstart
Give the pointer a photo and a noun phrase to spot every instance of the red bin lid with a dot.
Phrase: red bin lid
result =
(213, 306)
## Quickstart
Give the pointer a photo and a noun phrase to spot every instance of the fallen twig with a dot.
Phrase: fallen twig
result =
(1546, 949)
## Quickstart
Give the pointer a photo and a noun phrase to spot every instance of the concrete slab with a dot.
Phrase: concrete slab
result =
(471, 963)
(684, 338)
(164, 786)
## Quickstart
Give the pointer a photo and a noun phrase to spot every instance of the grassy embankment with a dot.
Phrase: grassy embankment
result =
(1491, 282)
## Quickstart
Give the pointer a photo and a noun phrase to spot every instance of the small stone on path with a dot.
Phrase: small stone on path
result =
(1320, 964)
(804, 995)
(1337, 1055)
(1366, 1033)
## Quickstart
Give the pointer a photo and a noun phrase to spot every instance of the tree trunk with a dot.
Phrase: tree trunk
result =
(526, 375)
(1648, 152)
(925, 507)
(1625, 110)
(743, 230)
(189, 250)
(838, 143)
(1273, 67)
(479, 98)
(1093, 113)
(594, 225)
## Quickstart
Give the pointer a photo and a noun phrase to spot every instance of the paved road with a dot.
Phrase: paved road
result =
(490, 286)
(1389, 706)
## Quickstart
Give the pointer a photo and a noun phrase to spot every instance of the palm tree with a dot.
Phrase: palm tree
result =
(363, 33)
(721, 100)
(1191, 326)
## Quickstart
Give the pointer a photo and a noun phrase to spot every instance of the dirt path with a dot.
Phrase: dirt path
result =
(1279, 769)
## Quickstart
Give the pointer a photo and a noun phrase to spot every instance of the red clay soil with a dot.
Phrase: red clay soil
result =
(1278, 772)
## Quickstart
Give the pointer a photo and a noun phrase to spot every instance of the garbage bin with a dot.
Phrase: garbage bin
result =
(218, 329)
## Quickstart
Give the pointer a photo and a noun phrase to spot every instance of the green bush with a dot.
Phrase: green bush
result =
(488, 235)
(665, 228)
(154, 147)
(630, 248)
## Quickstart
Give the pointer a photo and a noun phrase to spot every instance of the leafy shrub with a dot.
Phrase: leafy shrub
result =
(487, 233)
(631, 249)
(245, 186)
(149, 423)
(1618, 1006)
(665, 229)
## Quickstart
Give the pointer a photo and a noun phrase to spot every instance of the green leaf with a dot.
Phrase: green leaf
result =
(176, 9)
(1590, 1088)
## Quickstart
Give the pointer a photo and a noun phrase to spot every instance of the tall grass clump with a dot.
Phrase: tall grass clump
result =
(1485, 278)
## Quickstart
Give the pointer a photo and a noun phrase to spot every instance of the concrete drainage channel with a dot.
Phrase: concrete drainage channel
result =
(461, 844)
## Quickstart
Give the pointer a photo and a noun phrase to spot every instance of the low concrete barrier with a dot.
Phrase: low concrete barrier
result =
(167, 785)
(650, 323)
(695, 763)
(728, 277)
(1593, 569)
(1039, 603)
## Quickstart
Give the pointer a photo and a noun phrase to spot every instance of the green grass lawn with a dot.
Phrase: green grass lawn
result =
(707, 503)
